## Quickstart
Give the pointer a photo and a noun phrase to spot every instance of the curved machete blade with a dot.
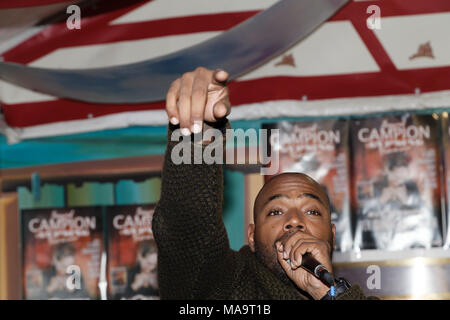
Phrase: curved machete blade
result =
(238, 50)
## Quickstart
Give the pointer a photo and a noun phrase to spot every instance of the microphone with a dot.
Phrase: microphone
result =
(317, 269)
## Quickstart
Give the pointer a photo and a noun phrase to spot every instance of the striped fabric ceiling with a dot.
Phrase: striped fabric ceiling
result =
(342, 59)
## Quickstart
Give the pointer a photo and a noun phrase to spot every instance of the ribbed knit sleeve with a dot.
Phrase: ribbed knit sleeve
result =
(193, 248)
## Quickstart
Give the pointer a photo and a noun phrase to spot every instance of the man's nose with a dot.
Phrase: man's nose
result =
(294, 221)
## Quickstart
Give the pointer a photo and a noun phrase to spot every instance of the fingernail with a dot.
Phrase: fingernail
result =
(285, 255)
(174, 121)
(280, 248)
(185, 131)
(197, 127)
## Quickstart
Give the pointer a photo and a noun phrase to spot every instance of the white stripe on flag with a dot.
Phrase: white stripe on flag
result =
(402, 37)
(118, 53)
(334, 48)
(163, 9)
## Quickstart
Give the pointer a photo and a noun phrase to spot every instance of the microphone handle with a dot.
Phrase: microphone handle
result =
(317, 269)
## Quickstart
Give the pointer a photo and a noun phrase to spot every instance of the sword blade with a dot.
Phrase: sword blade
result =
(238, 50)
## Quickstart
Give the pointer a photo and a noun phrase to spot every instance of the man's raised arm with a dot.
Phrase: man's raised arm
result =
(188, 226)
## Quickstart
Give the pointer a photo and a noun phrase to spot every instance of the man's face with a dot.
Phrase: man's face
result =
(63, 264)
(148, 262)
(288, 203)
(398, 175)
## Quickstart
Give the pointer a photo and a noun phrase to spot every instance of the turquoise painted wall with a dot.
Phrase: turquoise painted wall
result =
(51, 196)
(131, 192)
(90, 194)
(233, 208)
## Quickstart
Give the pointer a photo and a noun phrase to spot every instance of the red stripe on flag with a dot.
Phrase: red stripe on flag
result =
(251, 91)
(31, 114)
(340, 86)
(99, 33)
(373, 44)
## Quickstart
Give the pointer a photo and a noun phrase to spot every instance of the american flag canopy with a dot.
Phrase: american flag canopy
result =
(347, 65)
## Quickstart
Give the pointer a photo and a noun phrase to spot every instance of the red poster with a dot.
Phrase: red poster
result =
(396, 181)
(132, 253)
(61, 253)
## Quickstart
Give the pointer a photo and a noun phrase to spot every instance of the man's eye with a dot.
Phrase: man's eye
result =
(313, 212)
(274, 212)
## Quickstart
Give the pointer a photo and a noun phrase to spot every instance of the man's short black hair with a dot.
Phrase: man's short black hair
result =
(147, 247)
(62, 250)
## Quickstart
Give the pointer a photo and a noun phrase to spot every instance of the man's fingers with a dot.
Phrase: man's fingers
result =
(222, 108)
(317, 250)
(220, 76)
(171, 102)
(297, 253)
(196, 97)
(284, 264)
(184, 103)
(198, 103)
(292, 240)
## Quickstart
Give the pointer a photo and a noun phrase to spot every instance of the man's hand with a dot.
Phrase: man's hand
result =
(290, 251)
(197, 97)
(56, 283)
(139, 281)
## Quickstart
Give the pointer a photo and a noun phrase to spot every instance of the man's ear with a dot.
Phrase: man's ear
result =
(251, 236)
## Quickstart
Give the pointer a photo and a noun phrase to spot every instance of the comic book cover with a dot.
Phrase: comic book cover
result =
(132, 253)
(61, 250)
(446, 183)
(320, 149)
(396, 184)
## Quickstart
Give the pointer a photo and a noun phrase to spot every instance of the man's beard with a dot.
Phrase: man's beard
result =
(268, 256)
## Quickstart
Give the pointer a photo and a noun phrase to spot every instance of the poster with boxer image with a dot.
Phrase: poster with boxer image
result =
(132, 253)
(319, 149)
(396, 181)
(61, 253)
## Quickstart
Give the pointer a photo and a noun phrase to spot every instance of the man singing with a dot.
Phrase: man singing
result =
(291, 217)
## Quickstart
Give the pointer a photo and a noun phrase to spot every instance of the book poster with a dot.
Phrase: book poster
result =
(132, 253)
(396, 181)
(61, 253)
(446, 156)
(320, 149)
